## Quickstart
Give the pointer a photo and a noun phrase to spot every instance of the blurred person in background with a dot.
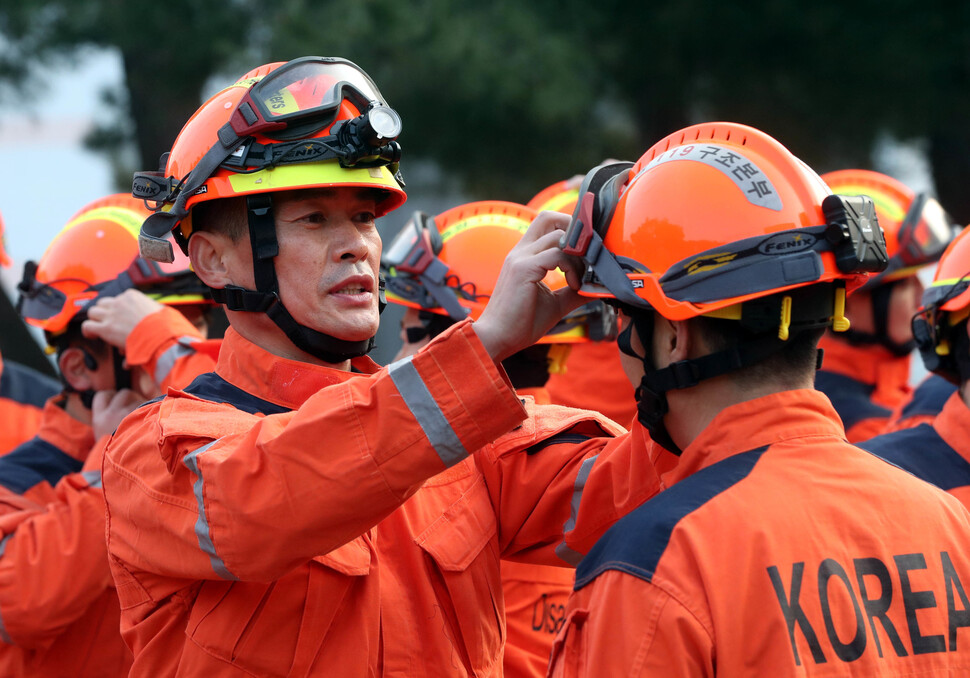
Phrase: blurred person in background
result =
(469, 245)
(58, 604)
(938, 450)
(866, 370)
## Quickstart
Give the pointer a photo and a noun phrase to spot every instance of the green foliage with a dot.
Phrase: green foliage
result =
(508, 97)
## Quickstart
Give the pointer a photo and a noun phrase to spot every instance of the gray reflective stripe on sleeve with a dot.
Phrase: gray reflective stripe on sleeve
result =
(165, 363)
(202, 524)
(422, 404)
(93, 477)
(564, 552)
(4, 636)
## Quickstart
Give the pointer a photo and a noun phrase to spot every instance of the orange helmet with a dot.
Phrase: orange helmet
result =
(917, 228)
(560, 197)
(4, 259)
(94, 255)
(713, 216)
(449, 264)
(939, 328)
(308, 123)
(314, 122)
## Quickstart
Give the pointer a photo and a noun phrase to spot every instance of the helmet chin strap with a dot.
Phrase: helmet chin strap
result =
(265, 298)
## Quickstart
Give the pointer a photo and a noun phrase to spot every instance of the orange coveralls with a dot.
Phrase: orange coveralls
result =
(352, 535)
(60, 447)
(535, 602)
(865, 385)
(778, 550)
(170, 348)
(923, 404)
(23, 392)
(939, 453)
(59, 611)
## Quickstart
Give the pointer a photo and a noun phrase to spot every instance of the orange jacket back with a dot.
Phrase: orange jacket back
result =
(777, 550)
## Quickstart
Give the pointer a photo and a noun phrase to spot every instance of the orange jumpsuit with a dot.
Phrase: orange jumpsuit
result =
(923, 404)
(777, 550)
(865, 385)
(595, 380)
(23, 392)
(535, 602)
(60, 447)
(59, 611)
(283, 518)
(939, 452)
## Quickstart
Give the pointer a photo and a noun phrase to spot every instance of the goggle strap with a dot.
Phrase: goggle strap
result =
(610, 273)
(445, 297)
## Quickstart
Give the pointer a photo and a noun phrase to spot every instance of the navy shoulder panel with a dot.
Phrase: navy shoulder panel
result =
(929, 397)
(210, 386)
(850, 398)
(637, 541)
(33, 462)
(921, 451)
(26, 385)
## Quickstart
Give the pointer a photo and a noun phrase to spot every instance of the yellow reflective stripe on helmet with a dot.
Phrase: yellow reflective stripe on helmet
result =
(176, 299)
(500, 220)
(948, 282)
(281, 102)
(130, 220)
(732, 312)
(882, 200)
(309, 175)
(556, 203)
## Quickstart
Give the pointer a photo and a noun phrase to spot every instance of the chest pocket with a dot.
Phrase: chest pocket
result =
(276, 628)
(463, 568)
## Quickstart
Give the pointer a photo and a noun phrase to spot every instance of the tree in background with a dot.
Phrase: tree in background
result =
(507, 97)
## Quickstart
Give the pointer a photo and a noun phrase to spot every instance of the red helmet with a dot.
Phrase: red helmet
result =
(308, 123)
(917, 228)
(449, 264)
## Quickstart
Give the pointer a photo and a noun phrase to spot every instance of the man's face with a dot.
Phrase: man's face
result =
(329, 260)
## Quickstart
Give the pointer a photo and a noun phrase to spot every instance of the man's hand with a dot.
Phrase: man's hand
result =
(113, 318)
(109, 407)
(523, 308)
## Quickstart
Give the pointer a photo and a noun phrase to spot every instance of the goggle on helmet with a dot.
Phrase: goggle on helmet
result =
(916, 227)
(946, 304)
(449, 265)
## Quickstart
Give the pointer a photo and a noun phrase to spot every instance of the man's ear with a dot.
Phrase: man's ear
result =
(207, 252)
(680, 341)
(76, 368)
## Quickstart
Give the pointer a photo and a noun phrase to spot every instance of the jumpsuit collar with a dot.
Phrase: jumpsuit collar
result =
(279, 380)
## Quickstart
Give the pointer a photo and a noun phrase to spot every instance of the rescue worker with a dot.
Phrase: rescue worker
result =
(775, 546)
(471, 242)
(308, 513)
(593, 376)
(59, 609)
(23, 391)
(867, 369)
(80, 268)
(939, 451)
